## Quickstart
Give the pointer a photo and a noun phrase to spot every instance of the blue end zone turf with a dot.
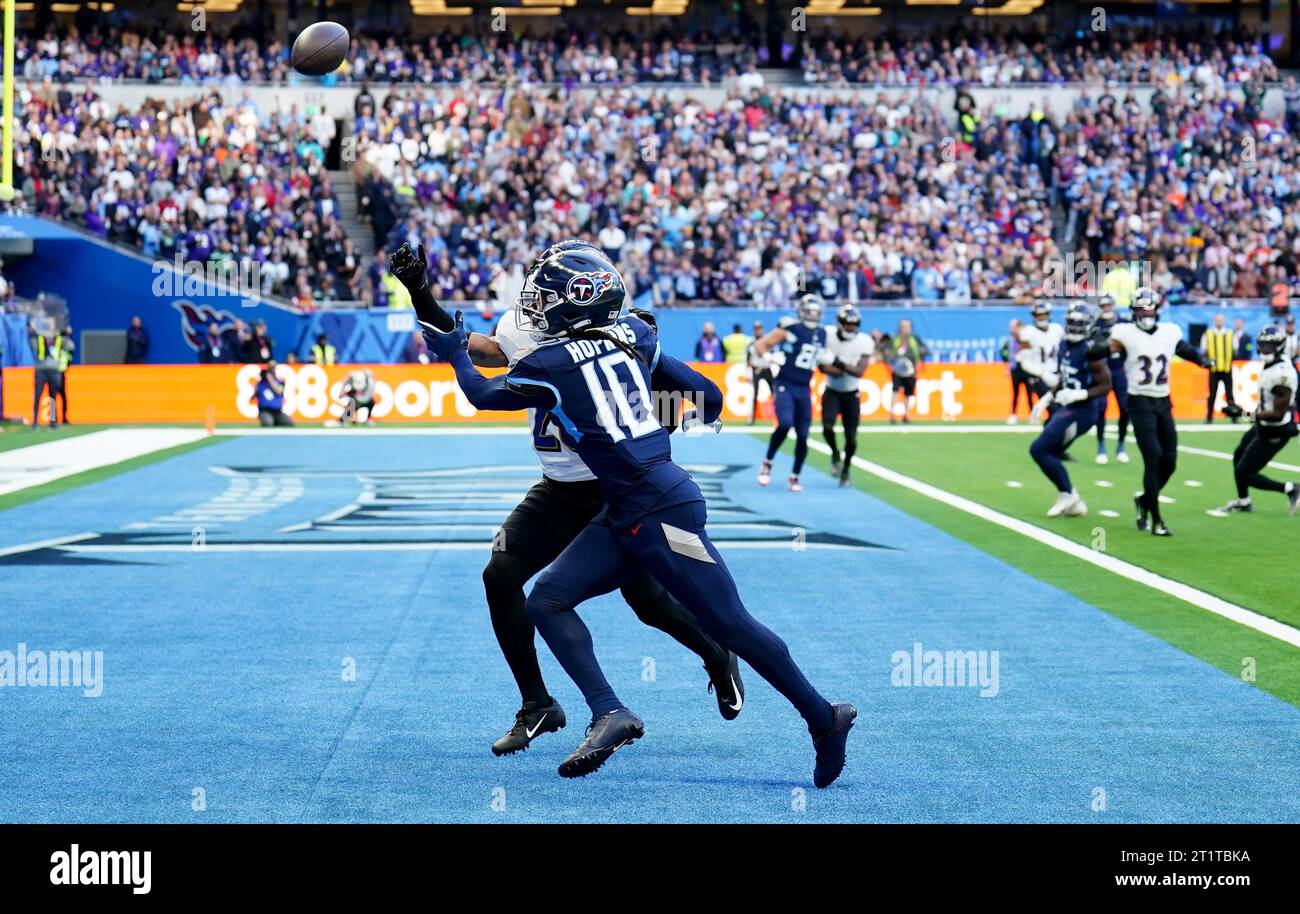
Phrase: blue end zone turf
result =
(232, 589)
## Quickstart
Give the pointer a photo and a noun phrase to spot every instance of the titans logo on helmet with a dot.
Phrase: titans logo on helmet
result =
(587, 287)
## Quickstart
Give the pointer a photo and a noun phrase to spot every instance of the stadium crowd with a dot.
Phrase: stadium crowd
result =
(765, 195)
(570, 54)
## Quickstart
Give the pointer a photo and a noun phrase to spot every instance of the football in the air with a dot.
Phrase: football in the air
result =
(319, 49)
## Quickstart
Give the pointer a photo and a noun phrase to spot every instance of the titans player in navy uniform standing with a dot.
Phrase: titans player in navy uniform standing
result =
(1106, 321)
(1084, 382)
(800, 342)
(594, 372)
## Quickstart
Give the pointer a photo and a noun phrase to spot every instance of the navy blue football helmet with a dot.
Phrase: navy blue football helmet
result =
(570, 290)
(1079, 322)
(569, 244)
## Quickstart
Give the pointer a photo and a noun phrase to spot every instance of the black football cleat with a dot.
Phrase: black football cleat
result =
(530, 723)
(830, 745)
(1293, 500)
(1160, 529)
(727, 686)
(605, 735)
(1141, 513)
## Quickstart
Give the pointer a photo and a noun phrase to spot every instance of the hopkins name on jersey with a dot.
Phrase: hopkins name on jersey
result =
(1147, 356)
(559, 461)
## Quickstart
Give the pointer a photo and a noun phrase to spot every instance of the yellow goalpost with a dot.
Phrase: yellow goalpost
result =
(7, 154)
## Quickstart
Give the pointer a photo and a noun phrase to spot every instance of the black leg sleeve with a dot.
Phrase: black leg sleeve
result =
(656, 607)
(503, 580)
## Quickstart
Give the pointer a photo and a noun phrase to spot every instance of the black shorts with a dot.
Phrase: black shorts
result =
(547, 520)
(837, 403)
(907, 385)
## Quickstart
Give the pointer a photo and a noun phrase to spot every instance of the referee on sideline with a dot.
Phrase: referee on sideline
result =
(1219, 350)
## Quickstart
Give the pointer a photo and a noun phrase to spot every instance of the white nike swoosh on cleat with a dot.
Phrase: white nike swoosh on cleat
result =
(532, 732)
(740, 699)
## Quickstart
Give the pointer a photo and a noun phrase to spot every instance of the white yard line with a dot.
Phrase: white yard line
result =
(1221, 455)
(1136, 573)
(23, 467)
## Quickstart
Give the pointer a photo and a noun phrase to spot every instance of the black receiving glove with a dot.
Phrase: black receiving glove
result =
(409, 266)
(647, 316)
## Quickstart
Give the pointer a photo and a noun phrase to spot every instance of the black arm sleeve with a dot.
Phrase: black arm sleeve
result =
(429, 311)
(1185, 350)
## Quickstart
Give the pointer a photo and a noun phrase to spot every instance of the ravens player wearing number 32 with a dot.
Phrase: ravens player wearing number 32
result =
(1148, 346)
(554, 511)
(1084, 380)
(594, 370)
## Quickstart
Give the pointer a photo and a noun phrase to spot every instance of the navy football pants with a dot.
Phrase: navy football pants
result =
(793, 410)
(672, 545)
(1049, 447)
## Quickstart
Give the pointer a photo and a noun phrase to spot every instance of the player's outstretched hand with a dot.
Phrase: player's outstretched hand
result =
(1069, 396)
(409, 266)
(693, 426)
(443, 345)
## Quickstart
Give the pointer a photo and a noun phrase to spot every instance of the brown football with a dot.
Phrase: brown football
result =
(319, 49)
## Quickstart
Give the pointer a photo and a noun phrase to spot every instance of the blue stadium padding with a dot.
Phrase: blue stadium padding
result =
(224, 670)
(105, 287)
(14, 347)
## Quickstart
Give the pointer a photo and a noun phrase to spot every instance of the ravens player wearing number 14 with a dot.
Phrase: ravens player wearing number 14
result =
(593, 370)
(800, 343)
(1084, 380)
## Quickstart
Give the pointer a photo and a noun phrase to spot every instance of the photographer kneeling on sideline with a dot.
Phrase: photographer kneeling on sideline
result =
(270, 398)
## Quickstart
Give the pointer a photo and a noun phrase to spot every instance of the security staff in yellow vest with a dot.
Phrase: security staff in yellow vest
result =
(48, 373)
(65, 347)
(735, 343)
(1119, 283)
(1218, 346)
(323, 353)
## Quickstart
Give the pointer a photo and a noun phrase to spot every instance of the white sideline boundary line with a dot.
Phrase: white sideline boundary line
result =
(1221, 455)
(1136, 573)
(40, 462)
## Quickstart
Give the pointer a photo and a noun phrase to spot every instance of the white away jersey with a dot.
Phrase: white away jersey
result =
(1147, 356)
(558, 462)
(850, 352)
(1279, 374)
(1041, 347)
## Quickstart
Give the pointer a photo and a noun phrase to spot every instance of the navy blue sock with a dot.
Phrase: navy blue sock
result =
(570, 641)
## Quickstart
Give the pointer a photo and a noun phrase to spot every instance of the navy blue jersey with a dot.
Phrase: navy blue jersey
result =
(800, 348)
(1074, 361)
(608, 415)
